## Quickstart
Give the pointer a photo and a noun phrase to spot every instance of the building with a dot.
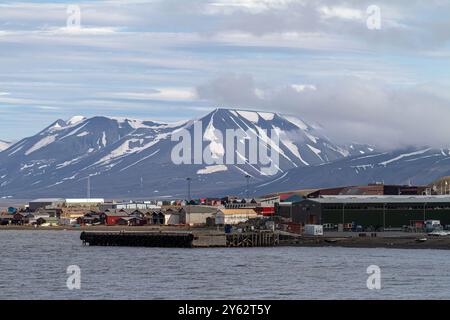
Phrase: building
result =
(45, 202)
(234, 216)
(375, 212)
(89, 218)
(199, 215)
(138, 205)
(374, 189)
(88, 203)
(174, 217)
(157, 218)
(441, 186)
(131, 221)
(111, 217)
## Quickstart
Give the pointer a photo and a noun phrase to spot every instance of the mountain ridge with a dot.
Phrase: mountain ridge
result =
(131, 157)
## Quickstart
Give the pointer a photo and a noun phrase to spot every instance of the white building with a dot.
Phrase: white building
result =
(84, 202)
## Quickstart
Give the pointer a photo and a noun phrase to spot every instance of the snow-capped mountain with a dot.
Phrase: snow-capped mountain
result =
(133, 158)
(417, 166)
(4, 145)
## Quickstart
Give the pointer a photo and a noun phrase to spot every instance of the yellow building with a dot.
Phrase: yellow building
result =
(234, 216)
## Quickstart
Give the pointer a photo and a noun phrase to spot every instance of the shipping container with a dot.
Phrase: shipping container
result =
(313, 230)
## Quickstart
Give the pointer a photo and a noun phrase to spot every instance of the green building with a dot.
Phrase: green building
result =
(368, 211)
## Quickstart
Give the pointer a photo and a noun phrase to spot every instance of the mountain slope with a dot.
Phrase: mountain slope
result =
(412, 165)
(133, 158)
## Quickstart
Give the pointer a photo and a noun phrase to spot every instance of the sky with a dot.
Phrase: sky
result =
(380, 81)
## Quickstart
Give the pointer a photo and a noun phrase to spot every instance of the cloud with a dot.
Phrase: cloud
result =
(349, 109)
(314, 58)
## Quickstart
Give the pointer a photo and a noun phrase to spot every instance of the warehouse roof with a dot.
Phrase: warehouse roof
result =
(48, 200)
(99, 200)
(382, 199)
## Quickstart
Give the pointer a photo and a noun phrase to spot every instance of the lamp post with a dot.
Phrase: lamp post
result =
(188, 189)
(188, 218)
(248, 186)
(424, 212)
(89, 187)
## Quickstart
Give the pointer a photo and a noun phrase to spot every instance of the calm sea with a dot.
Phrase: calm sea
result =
(34, 265)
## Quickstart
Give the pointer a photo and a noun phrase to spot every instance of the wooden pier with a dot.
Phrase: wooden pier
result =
(180, 239)
(253, 239)
(138, 239)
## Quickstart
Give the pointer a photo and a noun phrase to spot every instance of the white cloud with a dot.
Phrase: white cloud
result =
(341, 12)
(143, 56)
(165, 94)
(349, 109)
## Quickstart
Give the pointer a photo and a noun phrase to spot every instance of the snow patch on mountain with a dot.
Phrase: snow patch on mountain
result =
(40, 144)
(73, 132)
(75, 120)
(268, 116)
(315, 150)
(384, 163)
(249, 115)
(4, 145)
(212, 169)
(299, 123)
(215, 147)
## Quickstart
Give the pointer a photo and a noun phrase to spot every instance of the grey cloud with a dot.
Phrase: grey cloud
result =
(349, 109)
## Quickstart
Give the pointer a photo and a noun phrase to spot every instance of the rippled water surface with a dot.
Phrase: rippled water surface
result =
(34, 265)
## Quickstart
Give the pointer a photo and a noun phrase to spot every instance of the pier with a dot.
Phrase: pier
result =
(138, 239)
(253, 239)
(180, 239)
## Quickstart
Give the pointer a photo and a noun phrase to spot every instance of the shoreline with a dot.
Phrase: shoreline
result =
(344, 240)
(440, 243)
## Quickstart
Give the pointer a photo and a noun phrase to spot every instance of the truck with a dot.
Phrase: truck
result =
(432, 225)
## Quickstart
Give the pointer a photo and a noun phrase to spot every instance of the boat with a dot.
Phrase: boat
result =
(421, 240)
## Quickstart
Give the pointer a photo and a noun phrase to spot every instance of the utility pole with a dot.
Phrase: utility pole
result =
(188, 218)
(248, 186)
(189, 188)
(89, 187)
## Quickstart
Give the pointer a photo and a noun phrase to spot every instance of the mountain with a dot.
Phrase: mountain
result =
(407, 166)
(128, 158)
(4, 145)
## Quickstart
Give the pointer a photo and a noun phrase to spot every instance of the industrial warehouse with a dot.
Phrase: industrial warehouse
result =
(374, 213)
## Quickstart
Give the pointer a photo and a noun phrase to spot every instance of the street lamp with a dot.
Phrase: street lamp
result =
(189, 189)
(248, 186)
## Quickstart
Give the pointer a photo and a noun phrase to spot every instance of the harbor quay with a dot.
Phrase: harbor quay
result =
(376, 215)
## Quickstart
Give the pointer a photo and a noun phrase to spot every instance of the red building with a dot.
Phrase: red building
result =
(266, 211)
(112, 218)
